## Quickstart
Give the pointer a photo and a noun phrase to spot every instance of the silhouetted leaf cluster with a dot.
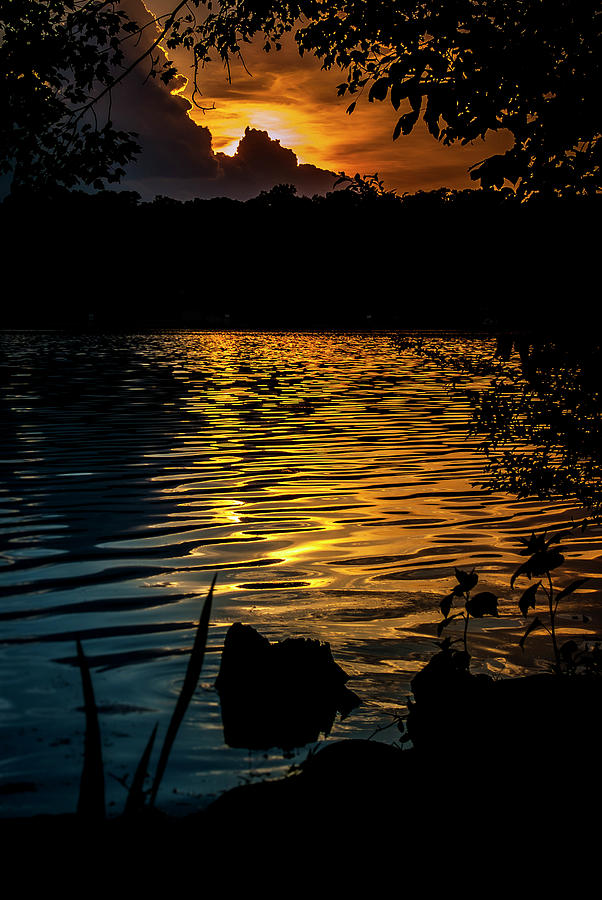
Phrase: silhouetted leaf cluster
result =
(544, 558)
(542, 425)
(540, 563)
(464, 68)
(540, 419)
(485, 603)
(56, 57)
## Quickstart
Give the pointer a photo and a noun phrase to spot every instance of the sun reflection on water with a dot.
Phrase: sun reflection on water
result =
(326, 478)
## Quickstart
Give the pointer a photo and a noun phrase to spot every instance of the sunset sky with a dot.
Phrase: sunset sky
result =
(296, 103)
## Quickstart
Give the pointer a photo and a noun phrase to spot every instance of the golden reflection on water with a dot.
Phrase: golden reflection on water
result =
(327, 478)
(349, 460)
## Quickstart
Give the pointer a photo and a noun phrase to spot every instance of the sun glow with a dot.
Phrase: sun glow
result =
(228, 127)
(295, 101)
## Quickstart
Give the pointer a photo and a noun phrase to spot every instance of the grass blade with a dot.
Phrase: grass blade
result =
(135, 800)
(91, 802)
(195, 664)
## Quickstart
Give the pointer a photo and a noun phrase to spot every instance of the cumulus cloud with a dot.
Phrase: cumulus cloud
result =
(177, 156)
(260, 162)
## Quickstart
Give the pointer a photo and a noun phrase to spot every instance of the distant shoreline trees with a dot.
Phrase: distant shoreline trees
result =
(355, 258)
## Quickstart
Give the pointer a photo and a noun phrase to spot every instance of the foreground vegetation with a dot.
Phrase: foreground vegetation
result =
(458, 722)
(477, 742)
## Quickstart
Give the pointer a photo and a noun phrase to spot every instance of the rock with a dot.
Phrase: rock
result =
(545, 723)
(279, 695)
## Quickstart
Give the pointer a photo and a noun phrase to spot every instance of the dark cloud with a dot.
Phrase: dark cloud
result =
(171, 142)
(177, 156)
(261, 162)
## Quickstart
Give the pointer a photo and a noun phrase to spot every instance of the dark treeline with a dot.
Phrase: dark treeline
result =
(356, 258)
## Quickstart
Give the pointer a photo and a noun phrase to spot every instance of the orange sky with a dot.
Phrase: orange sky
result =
(296, 102)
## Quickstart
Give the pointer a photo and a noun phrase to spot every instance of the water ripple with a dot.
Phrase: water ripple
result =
(327, 478)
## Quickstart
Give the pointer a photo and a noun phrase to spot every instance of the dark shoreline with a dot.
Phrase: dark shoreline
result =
(534, 741)
(467, 260)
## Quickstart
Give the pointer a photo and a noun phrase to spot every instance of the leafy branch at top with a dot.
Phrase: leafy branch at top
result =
(465, 69)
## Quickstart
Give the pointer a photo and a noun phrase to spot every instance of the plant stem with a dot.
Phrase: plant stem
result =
(553, 622)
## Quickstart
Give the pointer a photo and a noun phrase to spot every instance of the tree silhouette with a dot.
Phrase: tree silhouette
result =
(542, 431)
(56, 57)
(539, 418)
(463, 66)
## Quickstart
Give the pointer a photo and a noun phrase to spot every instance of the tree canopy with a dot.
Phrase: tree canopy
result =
(539, 417)
(57, 57)
(465, 67)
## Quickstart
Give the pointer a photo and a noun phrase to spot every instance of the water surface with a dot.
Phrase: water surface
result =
(327, 478)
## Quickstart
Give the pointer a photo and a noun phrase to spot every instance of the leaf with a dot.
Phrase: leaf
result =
(522, 570)
(556, 538)
(573, 586)
(446, 622)
(432, 123)
(193, 672)
(493, 171)
(527, 601)
(532, 626)
(135, 799)
(91, 802)
(351, 107)
(540, 563)
(482, 604)
(405, 124)
(397, 95)
(546, 562)
(445, 605)
(401, 90)
(415, 99)
(379, 89)
(537, 543)
(533, 544)
(466, 580)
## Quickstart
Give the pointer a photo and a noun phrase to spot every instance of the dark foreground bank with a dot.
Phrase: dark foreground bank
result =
(512, 763)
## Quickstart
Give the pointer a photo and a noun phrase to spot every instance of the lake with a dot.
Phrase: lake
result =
(327, 478)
